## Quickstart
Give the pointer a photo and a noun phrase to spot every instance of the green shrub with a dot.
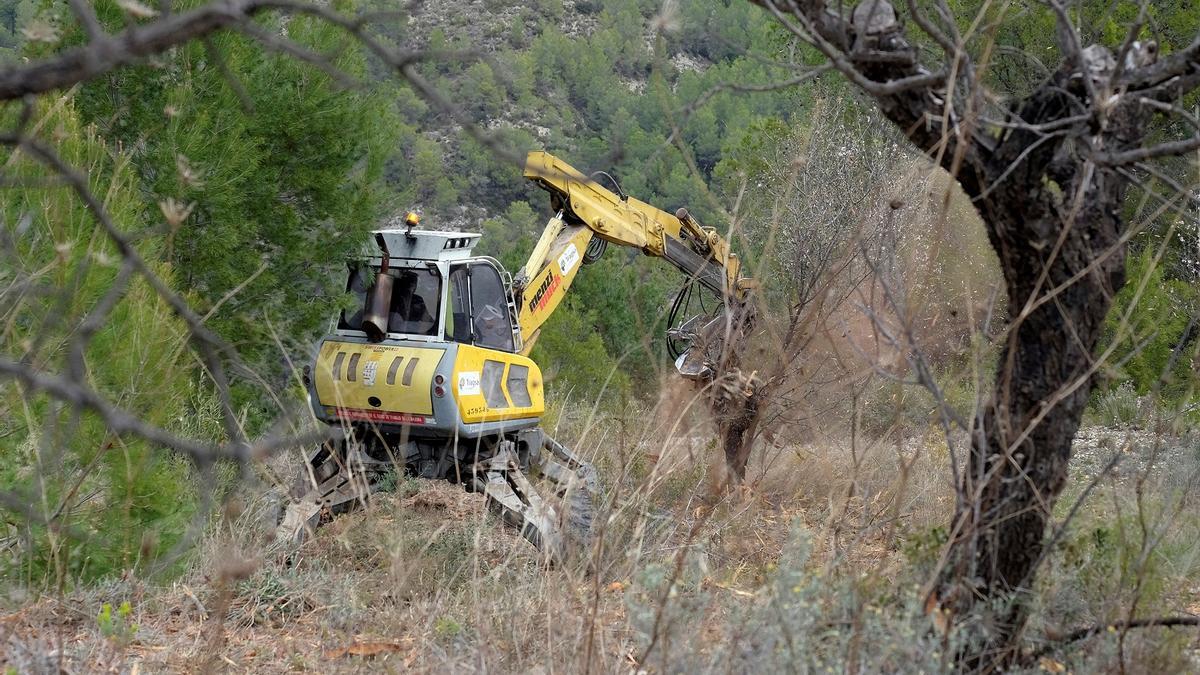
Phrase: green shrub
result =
(801, 621)
(1154, 353)
(447, 627)
(1119, 407)
(96, 504)
(923, 548)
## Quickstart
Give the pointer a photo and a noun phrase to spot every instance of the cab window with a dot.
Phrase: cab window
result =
(489, 305)
(416, 294)
(478, 308)
(415, 303)
(458, 311)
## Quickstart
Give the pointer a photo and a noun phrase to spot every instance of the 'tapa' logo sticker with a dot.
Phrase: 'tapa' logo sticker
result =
(469, 383)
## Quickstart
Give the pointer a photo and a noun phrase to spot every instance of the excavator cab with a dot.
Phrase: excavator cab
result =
(428, 340)
(477, 308)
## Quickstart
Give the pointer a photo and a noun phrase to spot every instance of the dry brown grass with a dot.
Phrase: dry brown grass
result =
(825, 537)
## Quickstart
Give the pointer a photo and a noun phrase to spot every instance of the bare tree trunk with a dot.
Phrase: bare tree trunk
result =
(738, 417)
(734, 398)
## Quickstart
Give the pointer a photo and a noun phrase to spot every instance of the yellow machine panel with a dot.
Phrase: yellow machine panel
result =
(628, 221)
(349, 375)
(491, 386)
(548, 288)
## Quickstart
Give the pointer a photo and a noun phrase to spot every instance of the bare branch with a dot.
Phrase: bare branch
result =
(1185, 62)
(1131, 35)
(1167, 149)
(87, 19)
(1084, 633)
(948, 46)
(107, 52)
(230, 77)
(285, 46)
(119, 421)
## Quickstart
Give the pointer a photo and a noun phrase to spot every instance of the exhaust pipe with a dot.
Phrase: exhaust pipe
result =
(375, 322)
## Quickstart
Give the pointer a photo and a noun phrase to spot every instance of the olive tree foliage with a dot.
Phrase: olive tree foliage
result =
(804, 192)
(805, 199)
(1048, 168)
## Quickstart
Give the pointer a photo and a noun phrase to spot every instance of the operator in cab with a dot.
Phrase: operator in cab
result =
(409, 312)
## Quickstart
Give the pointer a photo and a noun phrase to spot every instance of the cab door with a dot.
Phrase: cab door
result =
(491, 381)
(478, 308)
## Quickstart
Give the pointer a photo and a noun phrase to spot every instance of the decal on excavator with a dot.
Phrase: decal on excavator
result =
(545, 291)
(548, 287)
(380, 416)
(567, 260)
(494, 385)
(469, 384)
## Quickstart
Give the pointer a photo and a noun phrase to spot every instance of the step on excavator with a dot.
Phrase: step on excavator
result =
(429, 373)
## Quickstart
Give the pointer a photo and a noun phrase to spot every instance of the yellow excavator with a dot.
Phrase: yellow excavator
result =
(428, 373)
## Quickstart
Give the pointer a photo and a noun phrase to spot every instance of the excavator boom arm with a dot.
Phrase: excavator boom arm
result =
(587, 212)
(627, 221)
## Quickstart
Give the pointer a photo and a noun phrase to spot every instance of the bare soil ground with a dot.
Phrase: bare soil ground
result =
(382, 588)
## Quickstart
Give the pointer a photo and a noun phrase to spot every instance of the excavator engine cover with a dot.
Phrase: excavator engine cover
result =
(432, 388)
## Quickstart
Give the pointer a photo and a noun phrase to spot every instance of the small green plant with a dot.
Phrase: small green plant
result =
(387, 482)
(1118, 408)
(120, 628)
(923, 547)
(396, 482)
(446, 627)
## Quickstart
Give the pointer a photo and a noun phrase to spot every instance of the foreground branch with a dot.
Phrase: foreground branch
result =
(121, 422)
(106, 52)
(1084, 633)
(117, 420)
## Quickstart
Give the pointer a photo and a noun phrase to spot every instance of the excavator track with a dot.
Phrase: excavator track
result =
(336, 479)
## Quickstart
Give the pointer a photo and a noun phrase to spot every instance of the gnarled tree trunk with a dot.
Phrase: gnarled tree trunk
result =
(1063, 261)
(1048, 181)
